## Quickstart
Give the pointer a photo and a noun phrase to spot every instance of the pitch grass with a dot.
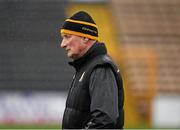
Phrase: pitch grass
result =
(55, 126)
(28, 127)
(58, 127)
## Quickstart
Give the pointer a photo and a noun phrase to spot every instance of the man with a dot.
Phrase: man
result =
(96, 98)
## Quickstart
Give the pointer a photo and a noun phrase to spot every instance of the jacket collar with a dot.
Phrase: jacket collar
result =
(96, 50)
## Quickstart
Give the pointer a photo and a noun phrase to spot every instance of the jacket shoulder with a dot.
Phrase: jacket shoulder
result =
(105, 60)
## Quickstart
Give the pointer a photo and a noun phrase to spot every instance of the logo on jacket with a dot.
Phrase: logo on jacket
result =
(118, 70)
(81, 77)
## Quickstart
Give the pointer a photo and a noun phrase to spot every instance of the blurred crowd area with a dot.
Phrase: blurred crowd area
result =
(142, 36)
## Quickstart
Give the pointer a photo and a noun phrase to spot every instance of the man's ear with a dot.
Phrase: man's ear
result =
(86, 39)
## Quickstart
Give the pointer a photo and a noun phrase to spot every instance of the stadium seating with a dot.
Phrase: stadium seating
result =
(149, 34)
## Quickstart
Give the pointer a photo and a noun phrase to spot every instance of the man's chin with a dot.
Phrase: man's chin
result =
(70, 56)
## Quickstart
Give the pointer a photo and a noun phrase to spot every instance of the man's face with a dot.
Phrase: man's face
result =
(73, 45)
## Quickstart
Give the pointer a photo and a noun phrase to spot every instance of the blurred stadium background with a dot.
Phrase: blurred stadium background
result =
(142, 36)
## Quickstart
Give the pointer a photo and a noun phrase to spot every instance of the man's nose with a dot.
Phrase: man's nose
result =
(63, 44)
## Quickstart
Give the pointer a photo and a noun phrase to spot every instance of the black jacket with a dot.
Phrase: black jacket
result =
(96, 97)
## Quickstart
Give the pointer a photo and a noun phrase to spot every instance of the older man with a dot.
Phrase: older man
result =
(96, 97)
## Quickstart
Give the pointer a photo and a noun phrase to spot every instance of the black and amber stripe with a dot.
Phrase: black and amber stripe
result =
(80, 28)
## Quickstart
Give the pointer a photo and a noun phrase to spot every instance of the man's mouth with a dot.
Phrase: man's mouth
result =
(67, 49)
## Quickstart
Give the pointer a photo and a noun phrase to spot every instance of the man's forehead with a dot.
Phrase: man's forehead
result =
(65, 34)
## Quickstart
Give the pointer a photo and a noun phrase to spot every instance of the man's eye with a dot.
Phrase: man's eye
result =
(67, 36)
